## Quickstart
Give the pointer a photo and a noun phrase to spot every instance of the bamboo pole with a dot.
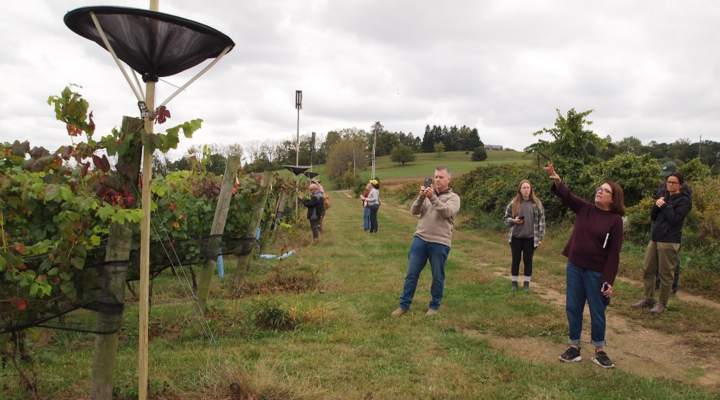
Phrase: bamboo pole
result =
(145, 254)
(218, 227)
(145, 242)
(113, 283)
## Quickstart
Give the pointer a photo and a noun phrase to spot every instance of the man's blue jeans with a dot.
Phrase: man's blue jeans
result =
(366, 218)
(584, 285)
(420, 252)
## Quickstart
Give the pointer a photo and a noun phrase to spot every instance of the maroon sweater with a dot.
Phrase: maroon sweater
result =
(586, 247)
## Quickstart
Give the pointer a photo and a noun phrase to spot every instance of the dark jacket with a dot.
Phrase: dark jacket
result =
(314, 205)
(668, 219)
(662, 190)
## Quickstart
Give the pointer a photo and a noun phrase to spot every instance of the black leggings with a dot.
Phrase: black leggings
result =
(526, 246)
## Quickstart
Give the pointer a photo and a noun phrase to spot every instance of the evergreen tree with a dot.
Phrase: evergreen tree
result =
(428, 142)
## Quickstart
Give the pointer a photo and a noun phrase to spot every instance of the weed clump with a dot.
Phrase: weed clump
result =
(271, 315)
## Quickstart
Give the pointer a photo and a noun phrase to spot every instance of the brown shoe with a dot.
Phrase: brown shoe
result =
(430, 312)
(658, 309)
(400, 311)
(644, 303)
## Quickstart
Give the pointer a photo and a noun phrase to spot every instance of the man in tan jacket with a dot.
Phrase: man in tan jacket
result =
(437, 208)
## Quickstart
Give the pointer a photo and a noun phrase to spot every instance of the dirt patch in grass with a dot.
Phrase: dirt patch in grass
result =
(637, 349)
(685, 296)
(641, 351)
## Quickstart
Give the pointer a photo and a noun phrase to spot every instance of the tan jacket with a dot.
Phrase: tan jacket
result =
(437, 217)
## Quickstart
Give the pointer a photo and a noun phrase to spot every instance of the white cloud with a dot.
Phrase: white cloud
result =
(648, 69)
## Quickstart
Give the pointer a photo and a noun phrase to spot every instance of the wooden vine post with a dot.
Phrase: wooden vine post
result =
(255, 218)
(218, 227)
(279, 210)
(113, 276)
(257, 214)
(266, 229)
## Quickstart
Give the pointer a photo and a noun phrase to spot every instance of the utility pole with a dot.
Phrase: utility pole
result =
(376, 128)
(298, 106)
(373, 156)
(312, 149)
(699, 144)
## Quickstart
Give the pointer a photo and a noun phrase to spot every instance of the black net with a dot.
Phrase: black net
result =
(152, 43)
(56, 311)
(79, 309)
(310, 175)
(297, 170)
(173, 253)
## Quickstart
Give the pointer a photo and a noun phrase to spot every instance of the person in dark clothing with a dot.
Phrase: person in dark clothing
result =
(662, 191)
(593, 253)
(669, 214)
(321, 190)
(315, 208)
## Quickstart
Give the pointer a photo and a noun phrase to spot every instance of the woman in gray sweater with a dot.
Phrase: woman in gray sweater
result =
(526, 218)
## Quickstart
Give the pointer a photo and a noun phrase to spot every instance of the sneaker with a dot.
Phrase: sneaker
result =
(526, 286)
(431, 312)
(571, 355)
(400, 311)
(658, 309)
(644, 303)
(602, 359)
(513, 287)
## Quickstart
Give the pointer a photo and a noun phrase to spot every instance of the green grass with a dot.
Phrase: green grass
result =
(344, 343)
(457, 161)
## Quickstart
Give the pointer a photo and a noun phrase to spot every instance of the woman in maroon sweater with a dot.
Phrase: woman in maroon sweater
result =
(593, 253)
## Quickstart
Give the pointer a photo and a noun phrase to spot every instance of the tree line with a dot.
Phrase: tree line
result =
(353, 144)
(346, 152)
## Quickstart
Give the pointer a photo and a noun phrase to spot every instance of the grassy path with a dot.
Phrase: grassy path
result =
(486, 342)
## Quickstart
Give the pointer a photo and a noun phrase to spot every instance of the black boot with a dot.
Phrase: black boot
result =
(526, 286)
(514, 287)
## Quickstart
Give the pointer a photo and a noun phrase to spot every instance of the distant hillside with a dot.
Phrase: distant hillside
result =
(457, 161)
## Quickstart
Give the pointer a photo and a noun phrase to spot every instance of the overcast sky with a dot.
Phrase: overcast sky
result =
(649, 69)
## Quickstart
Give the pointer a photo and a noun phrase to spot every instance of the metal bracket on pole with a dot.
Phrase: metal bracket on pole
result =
(144, 112)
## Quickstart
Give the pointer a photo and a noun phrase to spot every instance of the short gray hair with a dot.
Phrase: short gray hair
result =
(441, 168)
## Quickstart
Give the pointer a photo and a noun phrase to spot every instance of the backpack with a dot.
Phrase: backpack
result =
(326, 202)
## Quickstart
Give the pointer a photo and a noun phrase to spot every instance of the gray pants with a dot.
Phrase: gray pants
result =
(315, 227)
(661, 257)
(676, 278)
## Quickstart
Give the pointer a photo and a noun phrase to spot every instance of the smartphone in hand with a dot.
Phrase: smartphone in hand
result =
(428, 182)
(605, 299)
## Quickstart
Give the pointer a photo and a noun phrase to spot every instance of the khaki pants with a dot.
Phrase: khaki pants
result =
(661, 257)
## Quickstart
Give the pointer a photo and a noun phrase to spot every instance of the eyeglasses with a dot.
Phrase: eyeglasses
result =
(673, 182)
(602, 189)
